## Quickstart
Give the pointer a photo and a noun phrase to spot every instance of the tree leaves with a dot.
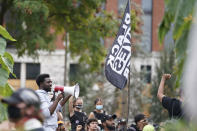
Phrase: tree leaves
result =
(6, 91)
(179, 16)
(3, 77)
(85, 20)
(3, 112)
(6, 67)
(5, 34)
(7, 62)
(165, 26)
(2, 46)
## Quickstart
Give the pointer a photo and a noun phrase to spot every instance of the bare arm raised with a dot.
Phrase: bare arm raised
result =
(65, 100)
(160, 93)
(70, 106)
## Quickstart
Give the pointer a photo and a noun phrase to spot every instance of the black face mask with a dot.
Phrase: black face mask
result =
(79, 106)
(14, 112)
(111, 128)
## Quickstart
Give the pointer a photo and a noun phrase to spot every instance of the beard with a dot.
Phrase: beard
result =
(110, 127)
(47, 89)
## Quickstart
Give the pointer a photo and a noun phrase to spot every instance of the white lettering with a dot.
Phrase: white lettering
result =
(120, 39)
(127, 19)
(115, 50)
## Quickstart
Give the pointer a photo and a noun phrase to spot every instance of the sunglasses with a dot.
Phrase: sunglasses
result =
(143, 121)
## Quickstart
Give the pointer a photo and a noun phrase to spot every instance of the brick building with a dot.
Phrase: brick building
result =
(26, 69)
(153, 11)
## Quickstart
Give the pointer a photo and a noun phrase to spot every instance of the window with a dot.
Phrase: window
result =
(146, 43)
(121, 6)
(147, 6)
(32, 70)
(16, 71)
(74, 70)
(146, 73)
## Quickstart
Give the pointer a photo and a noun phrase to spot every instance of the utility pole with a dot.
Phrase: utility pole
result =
(66, 61)
(66, 68)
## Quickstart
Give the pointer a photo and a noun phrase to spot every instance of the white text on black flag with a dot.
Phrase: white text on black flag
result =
(118, 60)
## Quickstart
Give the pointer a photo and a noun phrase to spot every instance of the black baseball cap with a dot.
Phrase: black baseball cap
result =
(109, 117)
(26, 95)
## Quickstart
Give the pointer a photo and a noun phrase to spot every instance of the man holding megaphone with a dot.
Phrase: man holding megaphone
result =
(49, 108)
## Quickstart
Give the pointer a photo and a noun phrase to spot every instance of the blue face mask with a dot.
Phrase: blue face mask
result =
(99, 107)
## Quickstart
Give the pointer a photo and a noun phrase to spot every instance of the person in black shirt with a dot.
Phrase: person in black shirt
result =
(98, 113)
(173, 105)
(77, 117)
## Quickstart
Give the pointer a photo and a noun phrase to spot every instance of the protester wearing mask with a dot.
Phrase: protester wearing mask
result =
(98, 113)
(24, 110)
(49, 108)
(108, 123)
(77, 117)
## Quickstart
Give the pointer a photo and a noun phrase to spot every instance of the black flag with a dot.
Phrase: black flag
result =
(117, 65)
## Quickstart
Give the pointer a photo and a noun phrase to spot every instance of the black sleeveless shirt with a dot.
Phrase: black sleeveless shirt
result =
(79, 118)
(100, 117)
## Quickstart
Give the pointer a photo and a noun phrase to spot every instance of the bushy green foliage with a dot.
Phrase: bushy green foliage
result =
(178, 125)
(6, 67)
(167, 62)
(30, 22)
(179, 16)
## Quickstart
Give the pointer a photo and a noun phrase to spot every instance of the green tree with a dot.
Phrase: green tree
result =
(6, 67)
(87, 23)
(166, 65)
(179, 16)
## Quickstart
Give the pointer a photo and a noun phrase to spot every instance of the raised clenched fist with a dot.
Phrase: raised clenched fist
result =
(166, 76)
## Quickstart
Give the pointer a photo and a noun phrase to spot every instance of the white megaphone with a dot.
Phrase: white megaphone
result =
(73, 90)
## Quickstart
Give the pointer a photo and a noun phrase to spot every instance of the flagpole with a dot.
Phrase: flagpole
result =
(128, 104)
(128, 100)
(117, 65)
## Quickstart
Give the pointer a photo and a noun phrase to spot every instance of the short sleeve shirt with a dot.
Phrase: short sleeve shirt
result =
(174, 107)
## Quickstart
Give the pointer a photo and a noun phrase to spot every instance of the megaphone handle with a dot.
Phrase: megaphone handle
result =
(63, 94)
(53, 98)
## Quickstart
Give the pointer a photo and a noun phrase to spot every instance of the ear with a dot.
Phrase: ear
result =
(41, 85)
(30, 111)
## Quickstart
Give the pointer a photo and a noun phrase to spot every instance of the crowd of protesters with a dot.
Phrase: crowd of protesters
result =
(31, 110)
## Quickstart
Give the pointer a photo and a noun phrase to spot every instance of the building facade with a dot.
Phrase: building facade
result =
(26, 68)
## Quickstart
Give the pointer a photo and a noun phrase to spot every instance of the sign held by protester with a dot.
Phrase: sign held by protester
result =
(117, 65)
